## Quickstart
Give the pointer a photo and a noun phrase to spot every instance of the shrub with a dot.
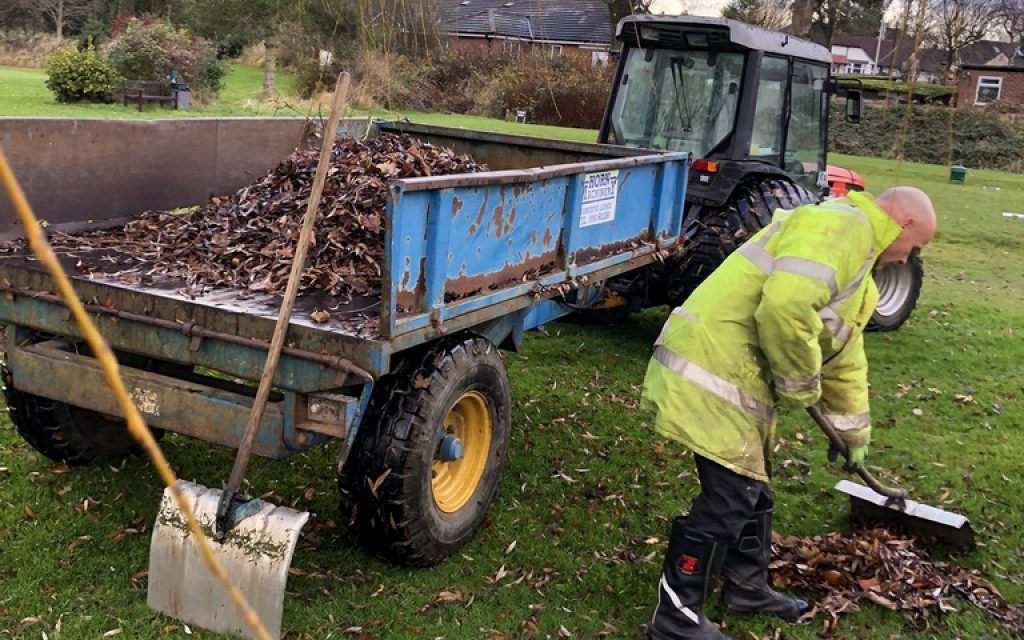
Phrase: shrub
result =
(976, 138)
(563, 91)
(27, 48)
(80, 75)
(150, 49)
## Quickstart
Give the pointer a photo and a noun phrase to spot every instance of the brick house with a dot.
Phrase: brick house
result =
(980, 85)
(578, 28)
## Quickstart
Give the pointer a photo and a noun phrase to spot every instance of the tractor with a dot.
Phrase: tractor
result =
(752, 107)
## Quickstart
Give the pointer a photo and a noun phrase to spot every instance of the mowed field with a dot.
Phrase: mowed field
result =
(573, 544)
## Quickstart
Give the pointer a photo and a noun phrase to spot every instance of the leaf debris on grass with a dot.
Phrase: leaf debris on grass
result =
(892, 571)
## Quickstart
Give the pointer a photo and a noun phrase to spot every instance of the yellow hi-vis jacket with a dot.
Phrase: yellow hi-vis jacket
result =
(780, 322)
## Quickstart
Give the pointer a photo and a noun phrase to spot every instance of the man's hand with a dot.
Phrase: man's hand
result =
(856, 458)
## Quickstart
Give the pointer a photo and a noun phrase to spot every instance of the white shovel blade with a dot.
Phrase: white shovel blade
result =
(256, 556)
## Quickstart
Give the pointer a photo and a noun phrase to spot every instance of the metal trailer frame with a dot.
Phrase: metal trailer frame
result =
(490, 253)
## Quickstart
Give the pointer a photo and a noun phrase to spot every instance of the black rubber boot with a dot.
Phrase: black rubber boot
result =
(746, 588)
(690, 574)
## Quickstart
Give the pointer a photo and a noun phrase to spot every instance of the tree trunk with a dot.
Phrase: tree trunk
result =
(803, 12)
(58, 18)
(269, 65)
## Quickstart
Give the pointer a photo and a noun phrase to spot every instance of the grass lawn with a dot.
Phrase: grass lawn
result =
(589, 488)
(23, 92)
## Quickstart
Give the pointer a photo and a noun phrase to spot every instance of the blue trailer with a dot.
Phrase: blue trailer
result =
(411, 380)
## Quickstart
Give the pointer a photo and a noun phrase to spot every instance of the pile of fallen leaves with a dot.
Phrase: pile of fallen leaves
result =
(891, 571)
(247, 240)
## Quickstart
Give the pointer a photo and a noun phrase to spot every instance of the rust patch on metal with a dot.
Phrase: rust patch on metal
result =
(547, 237)
(407, 275)
(499, 221)
(456, 207)
(409, 300)
(595, 254)
(525, 271)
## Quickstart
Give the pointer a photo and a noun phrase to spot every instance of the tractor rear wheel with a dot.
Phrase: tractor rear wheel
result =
(431, 451)
(719, 233)
(899, 286)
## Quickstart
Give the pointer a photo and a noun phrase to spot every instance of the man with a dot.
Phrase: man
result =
(779, 323)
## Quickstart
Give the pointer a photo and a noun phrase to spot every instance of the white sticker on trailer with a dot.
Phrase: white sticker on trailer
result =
(600, 193)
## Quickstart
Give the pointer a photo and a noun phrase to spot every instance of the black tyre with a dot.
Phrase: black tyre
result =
(405, 489)
(716, 234)
(899, 286)
(66, 433)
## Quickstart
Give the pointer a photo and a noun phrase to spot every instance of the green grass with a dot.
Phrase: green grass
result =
(589, 487)
(25, 94)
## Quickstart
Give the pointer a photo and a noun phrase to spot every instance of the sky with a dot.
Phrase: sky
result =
(695, 7)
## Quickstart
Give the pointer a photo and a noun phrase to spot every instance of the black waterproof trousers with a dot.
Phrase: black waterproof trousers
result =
(726, 502)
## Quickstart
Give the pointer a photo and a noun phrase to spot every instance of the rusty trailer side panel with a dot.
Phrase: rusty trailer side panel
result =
(460, 244)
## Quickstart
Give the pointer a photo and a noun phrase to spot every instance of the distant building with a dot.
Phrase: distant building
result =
(582, 28)
(893, 53)
(979, 85)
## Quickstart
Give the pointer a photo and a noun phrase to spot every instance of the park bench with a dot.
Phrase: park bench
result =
(143, 91)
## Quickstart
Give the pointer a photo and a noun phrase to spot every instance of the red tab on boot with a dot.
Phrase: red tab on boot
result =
(688, 564)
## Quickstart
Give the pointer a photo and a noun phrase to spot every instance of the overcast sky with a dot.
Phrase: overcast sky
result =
(695, 7)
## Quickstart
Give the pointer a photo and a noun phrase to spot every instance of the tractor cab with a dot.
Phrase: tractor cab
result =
(742, 99)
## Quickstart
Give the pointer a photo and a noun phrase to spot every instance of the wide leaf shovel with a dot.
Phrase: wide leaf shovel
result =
(254, 540)
(876, 503)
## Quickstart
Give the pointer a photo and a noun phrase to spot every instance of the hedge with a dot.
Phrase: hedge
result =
(976, 138)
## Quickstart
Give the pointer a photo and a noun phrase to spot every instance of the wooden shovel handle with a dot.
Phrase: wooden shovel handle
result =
(284, 316)
(837, 443)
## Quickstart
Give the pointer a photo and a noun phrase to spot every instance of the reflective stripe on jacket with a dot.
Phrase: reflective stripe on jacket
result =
(780, 322)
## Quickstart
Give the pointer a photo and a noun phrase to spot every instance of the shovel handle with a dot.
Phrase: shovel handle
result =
(837, 443)
(227, 499)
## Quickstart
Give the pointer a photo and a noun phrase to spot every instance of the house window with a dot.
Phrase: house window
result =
(989, 89)
(858, 68)
(556, 50)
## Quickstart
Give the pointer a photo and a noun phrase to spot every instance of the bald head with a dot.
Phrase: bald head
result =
(912, 209)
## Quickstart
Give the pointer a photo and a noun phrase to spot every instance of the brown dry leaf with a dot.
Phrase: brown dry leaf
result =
(320, 316)
(449, 597)
(247, 240)
(888, 570)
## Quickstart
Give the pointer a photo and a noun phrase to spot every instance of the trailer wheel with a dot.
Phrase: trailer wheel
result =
(430, 454)
(899, 286)
(717, 234)
(66, 433)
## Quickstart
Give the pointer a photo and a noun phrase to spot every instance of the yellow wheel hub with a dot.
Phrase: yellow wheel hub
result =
(455, 481)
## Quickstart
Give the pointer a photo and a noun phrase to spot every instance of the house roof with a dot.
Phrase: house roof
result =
(984, 51)
(989, 67)
(929, 60)
(584, 21)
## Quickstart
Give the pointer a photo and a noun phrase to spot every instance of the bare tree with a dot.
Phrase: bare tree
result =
(961, 23)
(60, 12)
(770, 14)
(1010, 17)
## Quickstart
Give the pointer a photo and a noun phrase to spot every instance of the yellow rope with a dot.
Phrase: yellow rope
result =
(108, 363)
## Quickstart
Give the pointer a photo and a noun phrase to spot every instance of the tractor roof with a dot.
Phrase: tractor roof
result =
(689, 31)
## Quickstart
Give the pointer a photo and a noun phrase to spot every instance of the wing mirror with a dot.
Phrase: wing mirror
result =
(854, 106)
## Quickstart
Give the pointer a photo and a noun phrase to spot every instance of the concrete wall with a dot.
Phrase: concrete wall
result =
(78, 173)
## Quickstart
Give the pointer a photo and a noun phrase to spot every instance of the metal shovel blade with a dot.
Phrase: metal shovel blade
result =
(913, 517)
(256, 555)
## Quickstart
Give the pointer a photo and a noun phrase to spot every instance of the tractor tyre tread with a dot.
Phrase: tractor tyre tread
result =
(381, 483)
(723, 231)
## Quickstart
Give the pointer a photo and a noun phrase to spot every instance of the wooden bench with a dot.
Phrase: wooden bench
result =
(143, 91)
